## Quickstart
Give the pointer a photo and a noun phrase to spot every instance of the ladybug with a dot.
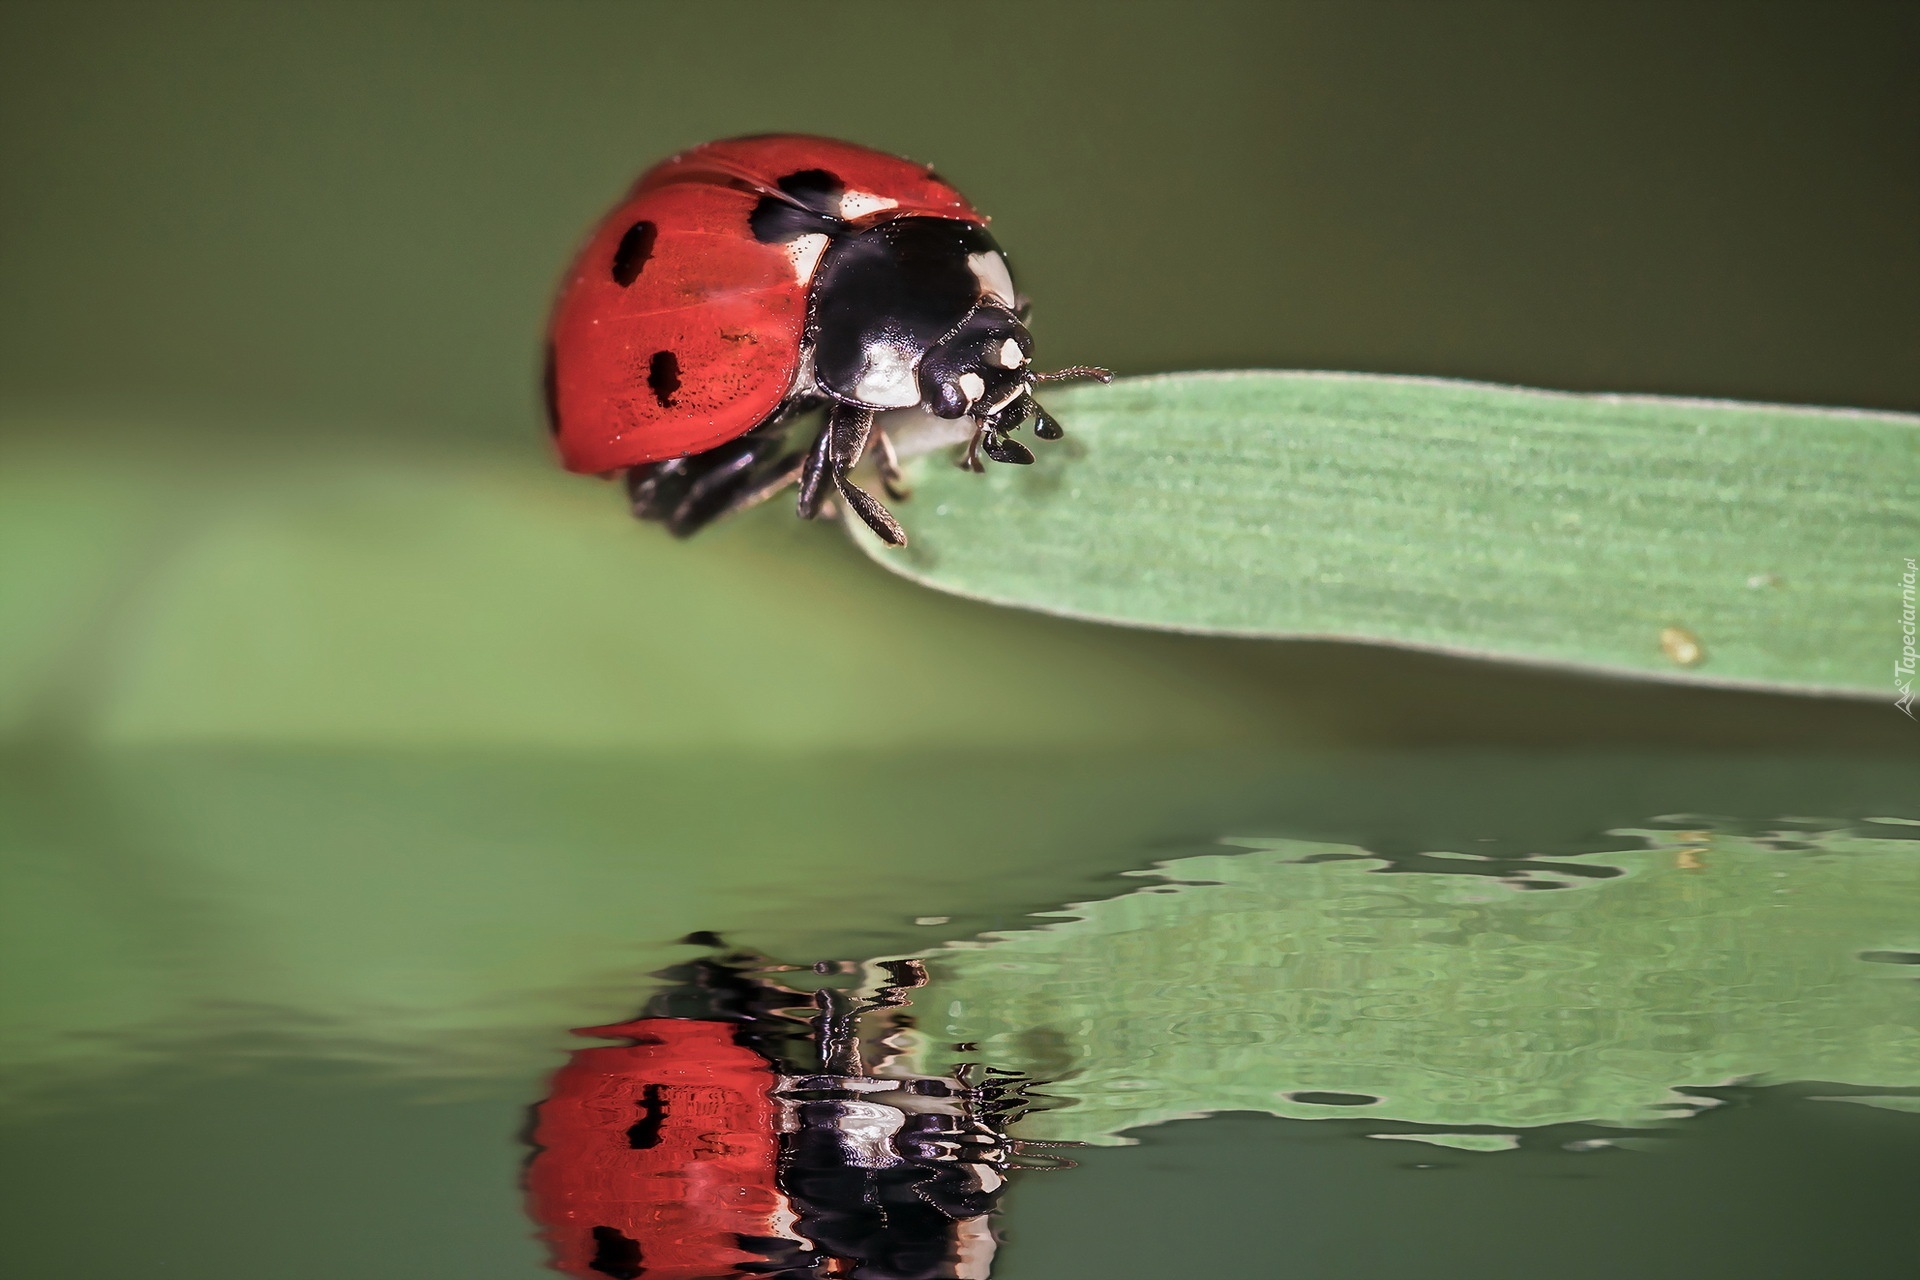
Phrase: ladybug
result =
(745, 283)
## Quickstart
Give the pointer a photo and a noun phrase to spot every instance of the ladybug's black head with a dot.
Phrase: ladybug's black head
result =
(983, 370)
(980, 368)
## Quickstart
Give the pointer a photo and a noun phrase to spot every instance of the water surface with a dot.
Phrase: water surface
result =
(1495, 1009)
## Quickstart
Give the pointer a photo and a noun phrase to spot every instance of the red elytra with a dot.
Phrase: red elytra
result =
(677, 330)
(656, 1157)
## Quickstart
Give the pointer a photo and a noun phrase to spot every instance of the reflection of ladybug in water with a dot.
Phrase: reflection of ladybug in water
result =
(727, 1141)
(658, 1157)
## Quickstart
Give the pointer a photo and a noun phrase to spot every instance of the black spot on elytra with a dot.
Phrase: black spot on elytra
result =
(810, 208)
(815, 189)
(635, 248)
(1325, 1099)
(644, 1133)
(774, 221)
(550, 392)
(663, 375)
(616, 1254)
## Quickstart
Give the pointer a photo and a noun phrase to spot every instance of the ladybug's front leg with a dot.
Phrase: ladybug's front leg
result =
(970, 460)
(837, 451)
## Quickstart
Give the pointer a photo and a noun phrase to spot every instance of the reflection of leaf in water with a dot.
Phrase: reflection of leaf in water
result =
(1458, 1000)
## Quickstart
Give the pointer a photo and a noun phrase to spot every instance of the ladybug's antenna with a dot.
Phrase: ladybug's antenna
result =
(1075, 371)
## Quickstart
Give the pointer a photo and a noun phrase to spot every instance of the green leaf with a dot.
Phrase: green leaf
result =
(1713, 542)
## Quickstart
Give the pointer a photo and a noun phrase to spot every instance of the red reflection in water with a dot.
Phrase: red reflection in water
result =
(657, 1157)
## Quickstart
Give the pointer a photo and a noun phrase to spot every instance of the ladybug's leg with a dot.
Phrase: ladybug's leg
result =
(888, 463)
(729, 468)
(716, 496)
(849, 429)
(813, 473)
(648, 487)
(687, 494)
(970, 460)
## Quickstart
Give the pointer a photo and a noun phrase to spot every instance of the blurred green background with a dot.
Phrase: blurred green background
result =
(340, 727)
(348, 215)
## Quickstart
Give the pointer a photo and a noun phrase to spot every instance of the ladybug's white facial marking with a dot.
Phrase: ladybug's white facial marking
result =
(888, 381)
(1009, 356)
(804, 252)
(972, 386)
(996, 282)
(858, 204)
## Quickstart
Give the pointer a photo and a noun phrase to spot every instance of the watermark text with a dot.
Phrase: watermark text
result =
(1904, 665)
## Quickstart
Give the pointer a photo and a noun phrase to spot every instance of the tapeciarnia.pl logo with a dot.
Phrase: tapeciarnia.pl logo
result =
(1903, 666)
